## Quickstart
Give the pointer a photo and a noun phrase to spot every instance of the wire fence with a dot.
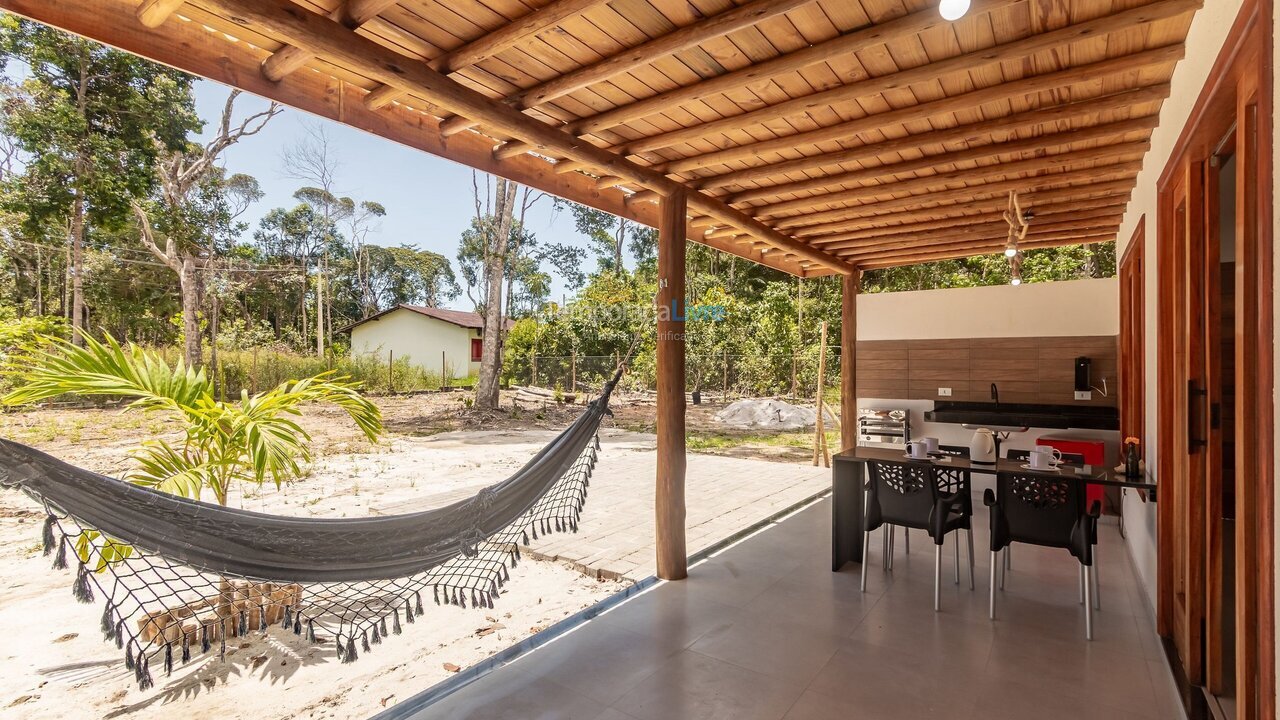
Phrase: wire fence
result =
(723, 375)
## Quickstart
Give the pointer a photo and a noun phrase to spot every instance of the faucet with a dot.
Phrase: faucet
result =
(995, 394)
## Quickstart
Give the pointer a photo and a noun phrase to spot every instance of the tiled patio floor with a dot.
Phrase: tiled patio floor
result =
(764, 630)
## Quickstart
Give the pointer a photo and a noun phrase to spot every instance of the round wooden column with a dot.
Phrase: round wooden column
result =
(850, 284)
(673, 563)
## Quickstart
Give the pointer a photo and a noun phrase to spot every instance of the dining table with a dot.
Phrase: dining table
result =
(849, 473)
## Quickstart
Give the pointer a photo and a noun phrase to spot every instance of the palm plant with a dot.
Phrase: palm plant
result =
(252, 440)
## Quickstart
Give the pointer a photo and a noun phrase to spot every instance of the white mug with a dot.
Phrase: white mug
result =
(1044, 458)
(918, 449)
(931, 443)
(1054, 452)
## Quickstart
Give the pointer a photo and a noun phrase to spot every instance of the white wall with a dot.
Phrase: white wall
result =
(418, 337)
(1205, 40)
(1056, 309)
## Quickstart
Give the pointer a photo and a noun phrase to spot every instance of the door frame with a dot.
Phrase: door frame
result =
(1237, 93)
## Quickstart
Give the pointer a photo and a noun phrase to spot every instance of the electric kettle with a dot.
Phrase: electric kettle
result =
(982, 448)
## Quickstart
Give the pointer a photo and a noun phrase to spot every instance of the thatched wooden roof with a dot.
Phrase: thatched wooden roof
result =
(816, 135)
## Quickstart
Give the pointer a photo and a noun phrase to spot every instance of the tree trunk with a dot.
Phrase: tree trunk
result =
(495, 270)
(77, 268)
(189, 281)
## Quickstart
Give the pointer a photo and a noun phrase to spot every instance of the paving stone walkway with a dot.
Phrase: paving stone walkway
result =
(723, 495)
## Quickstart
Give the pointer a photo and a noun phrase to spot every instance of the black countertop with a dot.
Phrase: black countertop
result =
(1088, 417)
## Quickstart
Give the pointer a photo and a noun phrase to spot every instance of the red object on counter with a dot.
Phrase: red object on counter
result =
(1093, 451)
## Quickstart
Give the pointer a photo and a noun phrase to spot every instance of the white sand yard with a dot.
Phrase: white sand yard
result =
(56, 664)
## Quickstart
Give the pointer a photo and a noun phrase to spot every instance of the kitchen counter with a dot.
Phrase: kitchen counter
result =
(1088, 417)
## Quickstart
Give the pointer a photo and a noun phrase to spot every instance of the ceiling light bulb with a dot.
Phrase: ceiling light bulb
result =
(953, 10)
(1010, 251)
(1016, 281)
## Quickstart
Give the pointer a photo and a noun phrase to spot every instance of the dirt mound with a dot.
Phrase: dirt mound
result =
(770, 414)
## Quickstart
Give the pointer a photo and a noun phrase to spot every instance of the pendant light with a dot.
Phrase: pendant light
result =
(953, 10)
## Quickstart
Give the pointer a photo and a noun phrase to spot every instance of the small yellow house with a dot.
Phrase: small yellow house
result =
(438, 340)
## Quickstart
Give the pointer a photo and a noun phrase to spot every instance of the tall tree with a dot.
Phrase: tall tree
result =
(312, 159)
(608, 236)
(93, 122)
(196, 208)
(495, 222)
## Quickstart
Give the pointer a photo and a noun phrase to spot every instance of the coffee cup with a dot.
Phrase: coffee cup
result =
(918, 449)
(1044, 458)
(931, 443)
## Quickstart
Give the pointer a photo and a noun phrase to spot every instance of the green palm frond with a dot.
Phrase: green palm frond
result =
(106, 368)
(255, 439)
(163, 468)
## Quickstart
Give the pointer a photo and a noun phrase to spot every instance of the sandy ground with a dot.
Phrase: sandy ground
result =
(434, 452)
(57, 666)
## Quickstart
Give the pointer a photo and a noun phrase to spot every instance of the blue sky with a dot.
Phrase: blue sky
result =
(428, 199)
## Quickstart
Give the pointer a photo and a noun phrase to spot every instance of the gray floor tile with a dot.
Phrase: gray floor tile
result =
(697, 687)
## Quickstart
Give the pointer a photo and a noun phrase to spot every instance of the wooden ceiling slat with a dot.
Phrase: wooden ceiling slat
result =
(974, 234)
(1094, 181)
(1039, 144)
(989, 129)
(887, 186)
(681, 39)
(994, 218)
(1064, 78)
(957, 252)
(934, 191)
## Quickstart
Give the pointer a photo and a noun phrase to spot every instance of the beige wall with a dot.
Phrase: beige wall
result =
(1208, 32)
(418, 337)
(1005, 311)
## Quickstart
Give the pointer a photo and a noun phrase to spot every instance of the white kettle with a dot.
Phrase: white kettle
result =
(982, 448)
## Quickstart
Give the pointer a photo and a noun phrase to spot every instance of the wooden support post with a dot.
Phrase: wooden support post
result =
(820, 450)
(849, 360)
(669, 494)
(391, 371)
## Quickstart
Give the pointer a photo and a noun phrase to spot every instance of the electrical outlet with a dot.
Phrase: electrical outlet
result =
(944, 392)
(1084, 395)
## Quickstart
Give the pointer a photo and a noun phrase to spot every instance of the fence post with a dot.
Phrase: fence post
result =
(391, 371)
(573, 371)
(255, 370)
(725, 392)
(444, 372)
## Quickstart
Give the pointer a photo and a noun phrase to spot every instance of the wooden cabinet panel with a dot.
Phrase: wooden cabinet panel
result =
(1026, 370)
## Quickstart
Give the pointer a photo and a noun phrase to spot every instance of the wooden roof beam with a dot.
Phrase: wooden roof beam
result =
(332, 41)
(1114, 190)
(352, 13)
(490, 44)
(870, 36)
(738, 18)
(1037, 85)
(982, 131)
(872, 263)
(1015, 52)
(992, 216)
(1015, 146)
(1111, 157)
(977, 233)
(153, 13)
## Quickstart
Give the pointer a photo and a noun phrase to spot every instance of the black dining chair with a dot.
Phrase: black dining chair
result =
(915, 495)
(1038, 509)
(953, 451)
(1067, 459)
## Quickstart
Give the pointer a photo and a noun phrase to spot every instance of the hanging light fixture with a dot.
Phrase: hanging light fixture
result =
(1011, 249)
(953, 10)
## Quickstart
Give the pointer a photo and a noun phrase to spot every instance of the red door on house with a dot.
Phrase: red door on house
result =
(477, 349)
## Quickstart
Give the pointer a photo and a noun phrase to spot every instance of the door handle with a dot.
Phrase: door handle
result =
(1195, 396)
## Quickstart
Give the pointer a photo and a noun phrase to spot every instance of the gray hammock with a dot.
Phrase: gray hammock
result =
(181, 576)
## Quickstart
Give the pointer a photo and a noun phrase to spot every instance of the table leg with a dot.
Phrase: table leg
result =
(847, 481)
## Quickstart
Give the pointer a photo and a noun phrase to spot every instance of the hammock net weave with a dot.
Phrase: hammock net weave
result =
(179, 578)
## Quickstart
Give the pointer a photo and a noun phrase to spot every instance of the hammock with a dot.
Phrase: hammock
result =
(181, 576)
